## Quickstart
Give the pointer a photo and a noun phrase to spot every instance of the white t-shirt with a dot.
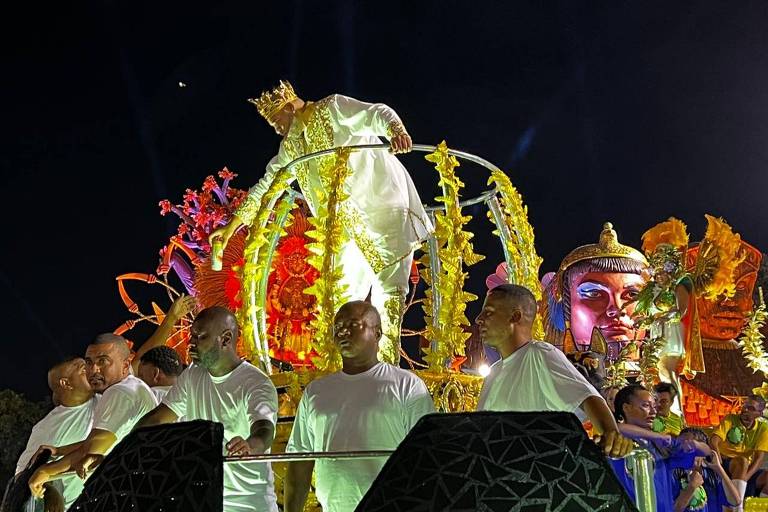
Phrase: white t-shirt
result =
(373, 410)
(160, 392)
(236, 400)
(122, 405)
(60, 427)
(535, 377)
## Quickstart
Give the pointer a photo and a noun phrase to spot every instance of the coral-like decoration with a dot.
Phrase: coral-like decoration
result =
(751, 340)
(329, 238)
(455, 251)
(703, 410)
(521, 245)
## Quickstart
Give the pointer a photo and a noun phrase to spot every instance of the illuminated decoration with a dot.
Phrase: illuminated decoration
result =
(330, 237)
(595, 286)
(289, 309)
(616, 374)
(452, 391)
(520, 242)
(455, 250)
(751, 341)
(704, 410)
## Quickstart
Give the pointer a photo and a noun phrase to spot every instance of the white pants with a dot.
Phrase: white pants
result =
(388, 291)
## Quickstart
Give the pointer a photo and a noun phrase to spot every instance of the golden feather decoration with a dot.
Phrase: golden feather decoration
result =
(672, 232)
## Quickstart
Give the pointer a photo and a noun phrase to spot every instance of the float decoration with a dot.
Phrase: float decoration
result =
(523, 262)
(751, 340)
(330, 237)
(446, 332)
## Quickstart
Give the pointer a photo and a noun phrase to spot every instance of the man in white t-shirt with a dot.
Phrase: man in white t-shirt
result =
(69, 422)
(368, 405)
(534, 375)
(124, 400)
(220, 387)
(159, 368)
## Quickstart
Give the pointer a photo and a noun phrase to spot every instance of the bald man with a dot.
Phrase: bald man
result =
(124, 400)
(368, 405)
(220, 387)
(533, 375)
(69, 422)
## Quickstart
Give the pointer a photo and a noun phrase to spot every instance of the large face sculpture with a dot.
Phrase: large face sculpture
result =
(604, 300)
(723, 319)
(596, 286)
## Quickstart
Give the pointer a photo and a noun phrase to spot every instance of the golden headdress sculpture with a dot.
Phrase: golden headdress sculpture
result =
(271, 102)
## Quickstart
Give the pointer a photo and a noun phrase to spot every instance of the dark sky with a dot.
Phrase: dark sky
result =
(618, 110)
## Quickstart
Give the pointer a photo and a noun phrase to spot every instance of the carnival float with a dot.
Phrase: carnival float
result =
(676, 311)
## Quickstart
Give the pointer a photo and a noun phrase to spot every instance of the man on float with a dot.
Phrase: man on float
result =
(533, 375)
(368, 405)
(383, 217)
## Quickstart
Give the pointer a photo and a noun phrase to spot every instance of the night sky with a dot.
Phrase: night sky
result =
(621, 111)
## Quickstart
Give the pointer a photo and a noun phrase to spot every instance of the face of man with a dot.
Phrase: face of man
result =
(664, 403)
(494, 321)
(148, 373)
(641, 409)
(77, 376)
(281, 121)
(750, 411)
(205, 340)
(605, 300)
(357, 332)
(105, 365)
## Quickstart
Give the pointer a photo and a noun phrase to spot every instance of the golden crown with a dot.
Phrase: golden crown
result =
(607, 247)
(271, 102)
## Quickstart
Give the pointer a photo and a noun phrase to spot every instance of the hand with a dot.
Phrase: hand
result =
(36, 482)
(224, 233)
(53, 501)
(87, 464)
(614, 444)
(239, 446)
(401, 143)
(181, 306)
(665, 441)
(54, 453)
(695, 480)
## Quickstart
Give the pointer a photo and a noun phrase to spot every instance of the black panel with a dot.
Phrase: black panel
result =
(167, 468)
(499, 462)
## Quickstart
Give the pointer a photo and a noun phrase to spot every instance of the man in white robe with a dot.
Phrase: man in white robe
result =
(383, 216)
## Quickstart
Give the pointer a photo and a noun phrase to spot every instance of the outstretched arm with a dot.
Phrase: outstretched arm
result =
(176, 312)
(262, 433)
(372, 119)
(158, 416)
(614, 444)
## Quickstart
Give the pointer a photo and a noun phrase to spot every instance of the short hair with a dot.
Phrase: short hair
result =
(520, 295)
(697, 433)
(112, 338)
(665, 387)
(54, 372)
(164, 358)
(623, 397)
(757, 398)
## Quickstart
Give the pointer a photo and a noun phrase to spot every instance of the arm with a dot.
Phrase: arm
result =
(757, 462)
(297, 481)
(176, 312)
(731, 493)
(158, 416)
(98, 442)
(372, 119)
(714, 442)
(684, 498)
(262, 433)
(614, 444)
(635, 432)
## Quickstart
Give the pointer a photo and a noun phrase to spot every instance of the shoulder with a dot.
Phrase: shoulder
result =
(544, 350)
(252, 377)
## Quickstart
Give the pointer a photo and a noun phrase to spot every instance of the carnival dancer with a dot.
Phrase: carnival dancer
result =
(383, 215)
(742, 441)
(69, 422)
(636, 408)
(124, 400)
(368, 405)
(534, 375)
(220, 387)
